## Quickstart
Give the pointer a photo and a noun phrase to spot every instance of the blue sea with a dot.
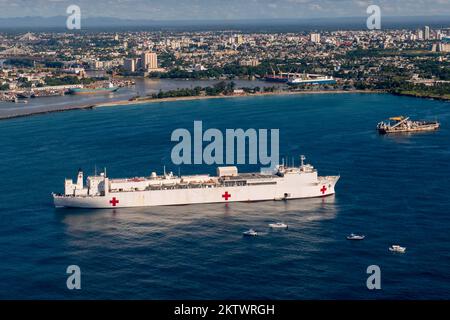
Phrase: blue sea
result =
(393, 189)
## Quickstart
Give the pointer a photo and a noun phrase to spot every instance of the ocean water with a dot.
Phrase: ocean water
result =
(393, 189)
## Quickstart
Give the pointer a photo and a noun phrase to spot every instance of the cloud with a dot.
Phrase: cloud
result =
(221, 9)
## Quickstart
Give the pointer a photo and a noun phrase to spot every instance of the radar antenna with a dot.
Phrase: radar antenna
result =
(302, 159)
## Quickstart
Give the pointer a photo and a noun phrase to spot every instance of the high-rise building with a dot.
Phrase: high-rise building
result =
(442, 47)
(149, 60)
(314, 37)
(419, 34)
(426, 33)
(238, 39)
(129, 65)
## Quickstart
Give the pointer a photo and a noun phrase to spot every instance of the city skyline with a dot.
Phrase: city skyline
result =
(221, 10)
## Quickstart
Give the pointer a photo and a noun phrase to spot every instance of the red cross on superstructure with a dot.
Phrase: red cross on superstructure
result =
(114, 201)
(226, 195)
(323, 189)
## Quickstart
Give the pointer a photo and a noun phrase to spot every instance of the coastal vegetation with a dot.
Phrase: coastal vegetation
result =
(224, 88)
(220, 88)
(437, 91)
(178, 93)
(20, 63)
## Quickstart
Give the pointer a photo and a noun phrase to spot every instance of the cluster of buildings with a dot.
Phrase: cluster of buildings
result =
(442, 43)
(442, 46)
(29, 59)
(147, 63)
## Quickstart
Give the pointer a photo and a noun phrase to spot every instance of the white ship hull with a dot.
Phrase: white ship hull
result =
(228, 186)
(200, 195)
(312, 79)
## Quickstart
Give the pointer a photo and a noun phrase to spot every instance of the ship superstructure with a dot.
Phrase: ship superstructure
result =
(311, 79)
(227, 186)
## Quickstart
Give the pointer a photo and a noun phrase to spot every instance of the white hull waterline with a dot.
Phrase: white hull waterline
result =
(228, 186)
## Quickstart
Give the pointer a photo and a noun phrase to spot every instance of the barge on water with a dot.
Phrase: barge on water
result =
(405, 124)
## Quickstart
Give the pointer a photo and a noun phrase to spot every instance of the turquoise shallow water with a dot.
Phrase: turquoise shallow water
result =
(394, 189)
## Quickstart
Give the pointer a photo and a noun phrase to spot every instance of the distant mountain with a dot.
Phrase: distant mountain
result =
(21, 24)
(60, 22)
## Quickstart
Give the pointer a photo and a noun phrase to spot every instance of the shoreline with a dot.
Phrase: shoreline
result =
(174, 99)
(189, 98)
(418, 95)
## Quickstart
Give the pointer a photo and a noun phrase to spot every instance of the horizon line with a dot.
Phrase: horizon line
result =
(225, 19)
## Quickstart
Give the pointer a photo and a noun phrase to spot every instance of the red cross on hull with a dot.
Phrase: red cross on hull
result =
(114, 201)
(323, 190)
(226, 195)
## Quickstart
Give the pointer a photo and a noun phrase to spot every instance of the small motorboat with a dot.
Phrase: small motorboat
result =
(250, 233)
(278, 225)
(353, 236)
(397, 248)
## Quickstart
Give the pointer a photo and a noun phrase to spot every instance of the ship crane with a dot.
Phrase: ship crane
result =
(399, 122)
(273, 71)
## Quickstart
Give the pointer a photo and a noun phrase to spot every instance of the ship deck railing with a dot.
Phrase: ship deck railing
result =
(225, 183)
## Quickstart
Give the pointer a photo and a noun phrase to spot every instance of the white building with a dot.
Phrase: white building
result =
(314, 37)
(426, 32)
(149, 61)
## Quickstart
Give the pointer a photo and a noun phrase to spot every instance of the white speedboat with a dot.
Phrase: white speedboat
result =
(278, 225)
(353, 236)
(250, 233)
(397, 248)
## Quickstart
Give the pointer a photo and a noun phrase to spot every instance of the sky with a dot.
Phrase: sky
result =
(222, 9)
